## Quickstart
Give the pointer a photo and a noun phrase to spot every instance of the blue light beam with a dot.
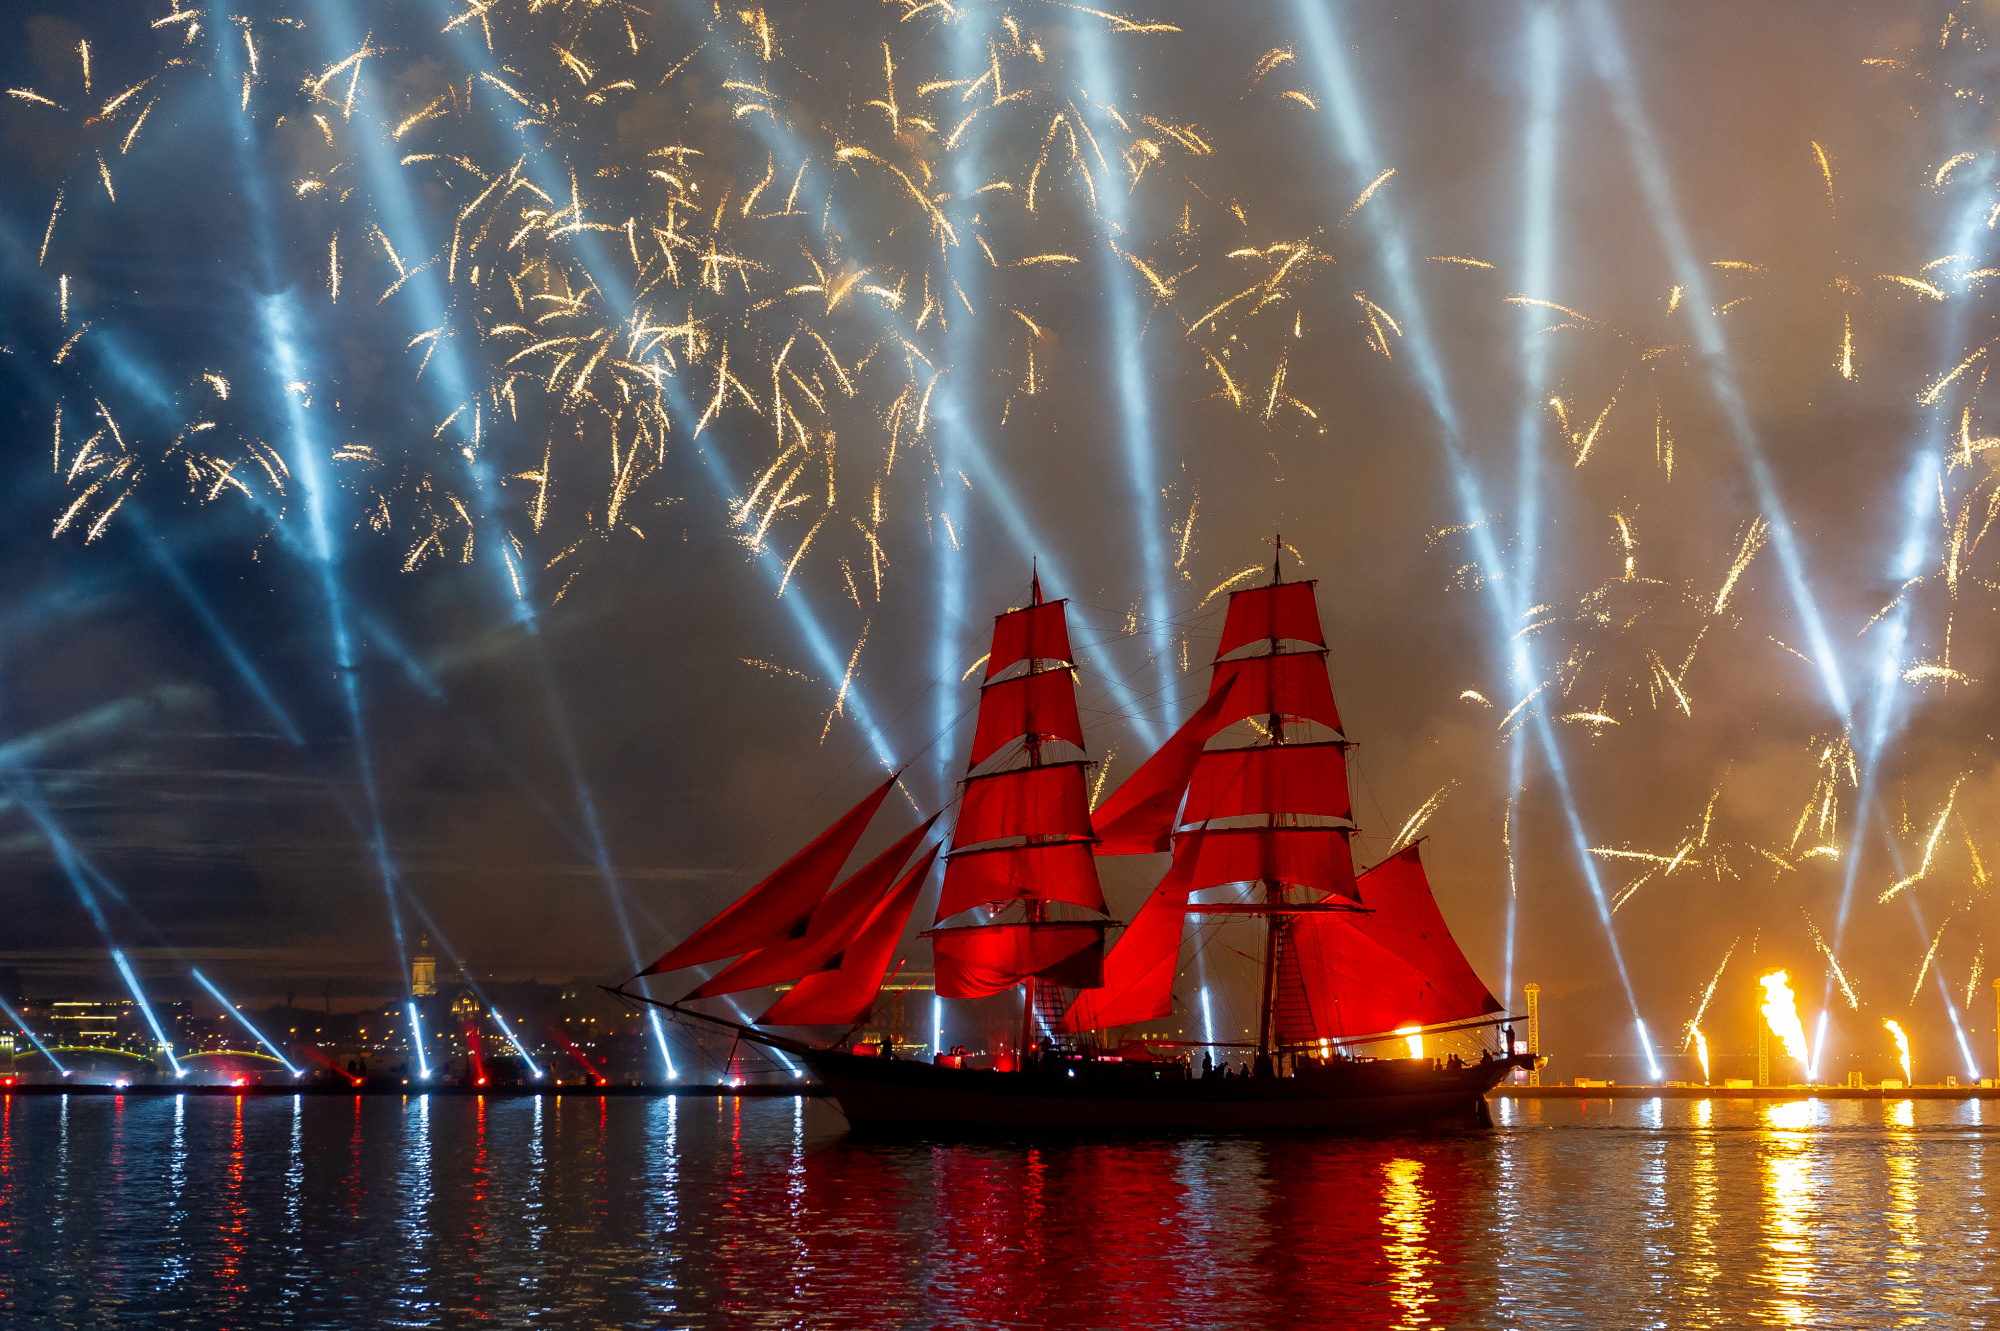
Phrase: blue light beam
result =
(244, 1021)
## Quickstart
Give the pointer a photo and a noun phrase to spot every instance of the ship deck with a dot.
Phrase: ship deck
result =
(1087, 1095)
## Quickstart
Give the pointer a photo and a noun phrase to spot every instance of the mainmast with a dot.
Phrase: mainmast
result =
(1023, 833)
(1272, 813)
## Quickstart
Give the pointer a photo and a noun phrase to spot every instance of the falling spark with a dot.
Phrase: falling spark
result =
(1930, 847)
(1709, 993)
(1420, 817)
(1929, 957)
(1826, 170)
(1753, 541)
(1834, 962)
(1369, 193)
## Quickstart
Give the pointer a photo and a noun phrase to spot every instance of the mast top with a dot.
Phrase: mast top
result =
(1035, 582)
(1277, 556)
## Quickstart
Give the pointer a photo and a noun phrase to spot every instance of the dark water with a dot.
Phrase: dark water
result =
(699, 1213)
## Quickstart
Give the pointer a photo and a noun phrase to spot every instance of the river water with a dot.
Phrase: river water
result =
(585, 1212)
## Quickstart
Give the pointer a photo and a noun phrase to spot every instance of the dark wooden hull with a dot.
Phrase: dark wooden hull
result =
(1388, 1095)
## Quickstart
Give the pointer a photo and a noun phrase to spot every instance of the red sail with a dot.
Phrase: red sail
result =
(1278, 778)
(1138, 817)
(1024, 801)
(1056, 871)
(1292, 684)
(1039, 704)
(1279, 610)
(782, 905)
(1396, 965)
(839, 918)
(843, 991)
(985, 959)
(1039, 633)
(1309, 857)
(1139, 973)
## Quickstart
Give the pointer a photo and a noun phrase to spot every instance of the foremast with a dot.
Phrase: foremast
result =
(1023, 841)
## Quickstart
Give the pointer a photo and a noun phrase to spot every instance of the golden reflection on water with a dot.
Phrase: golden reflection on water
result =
(1789, 1211)
(1405, 1215)
(1702, 1270)
(1904, 1254)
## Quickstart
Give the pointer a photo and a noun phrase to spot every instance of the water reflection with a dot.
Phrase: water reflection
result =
(1789, 1211)
(438, 1211)
(1405, 1208)
(1903, 1256)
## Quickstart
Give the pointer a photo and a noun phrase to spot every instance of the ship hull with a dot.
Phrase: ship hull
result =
(1389, 1095)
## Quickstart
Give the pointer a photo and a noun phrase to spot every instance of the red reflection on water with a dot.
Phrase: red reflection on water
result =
(7, 1205)
(477, 1227)
(1142, 1233)
(235, 1226)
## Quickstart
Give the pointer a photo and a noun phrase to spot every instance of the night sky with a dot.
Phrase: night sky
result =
(1754, 243)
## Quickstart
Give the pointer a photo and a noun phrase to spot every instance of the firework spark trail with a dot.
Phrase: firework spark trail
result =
(1352, 132)
(1702, 1008)
(1620, 81)
(964, 444)
(1904, 565)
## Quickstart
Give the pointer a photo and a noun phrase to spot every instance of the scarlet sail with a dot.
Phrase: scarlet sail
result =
(1139, 973)
(1251, 797)
(1138, 817)
(782, 905)
(1291, 684)
(1039, 801)
(843, 990)
(833, 925)
(1314, 858)
(1057, 871)
(1278, 778)
(986, 959)
(1038, 633)
(1277, 611)
(1035, 707)
(1394, 965)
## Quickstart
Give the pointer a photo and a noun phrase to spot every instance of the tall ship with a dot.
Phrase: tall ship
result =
(1368, 1015)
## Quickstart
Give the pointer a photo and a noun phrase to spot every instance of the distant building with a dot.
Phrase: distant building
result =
(423, 971)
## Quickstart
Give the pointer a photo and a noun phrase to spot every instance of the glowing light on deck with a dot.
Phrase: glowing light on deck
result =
(1701, 1052)
(1414, 1038)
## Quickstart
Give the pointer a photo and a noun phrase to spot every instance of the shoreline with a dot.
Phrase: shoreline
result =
(1743, 1093)
(156, 1090)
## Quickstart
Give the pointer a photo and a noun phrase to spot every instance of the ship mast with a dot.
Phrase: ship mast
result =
(1036, 911)
(1023, 832)
(1274, 891)
(1271, 816)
